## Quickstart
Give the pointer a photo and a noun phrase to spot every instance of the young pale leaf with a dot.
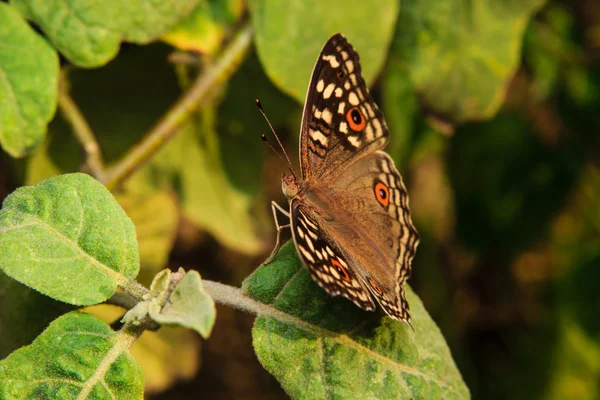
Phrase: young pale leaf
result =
(77, 356)
(329, 348)
(29, 84)
(460, 55)
(68, 238)
(190, 306)
(290, 34)
(89, 32)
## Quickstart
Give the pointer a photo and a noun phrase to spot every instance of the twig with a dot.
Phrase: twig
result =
(81, 129)
(212, 77)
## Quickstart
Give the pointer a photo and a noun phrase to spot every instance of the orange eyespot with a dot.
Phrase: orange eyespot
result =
(341, 270)
(382, 194)
(355, 119)
(376, 288)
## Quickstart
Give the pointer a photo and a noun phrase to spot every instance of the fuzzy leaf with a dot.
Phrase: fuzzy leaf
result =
(332, 349)
(77, 356)
(28, 84)
(290, 34)
(461, 55)
(89, 33)
(190, 306)
(68, 238)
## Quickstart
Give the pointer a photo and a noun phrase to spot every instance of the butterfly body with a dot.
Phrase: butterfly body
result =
(349, 212)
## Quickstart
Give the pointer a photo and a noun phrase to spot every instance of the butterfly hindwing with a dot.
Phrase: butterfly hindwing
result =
(341, 122)
(326, 264)
(373, 190)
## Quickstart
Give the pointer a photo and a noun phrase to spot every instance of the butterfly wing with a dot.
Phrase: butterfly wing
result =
(341, 122)
(323, 258)
(372, 200)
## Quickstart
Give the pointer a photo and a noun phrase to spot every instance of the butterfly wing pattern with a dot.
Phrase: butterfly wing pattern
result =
(350, 219)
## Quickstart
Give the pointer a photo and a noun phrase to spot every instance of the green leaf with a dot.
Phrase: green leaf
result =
(68, 238)
(401, 108)
(28, 84)
(156, 217)
(461, 55)
(24, 314)
(189, 306)
(77, 356)
(192, 162)
(329, 348)
(89, 33)
(290, 35)
(204, 29)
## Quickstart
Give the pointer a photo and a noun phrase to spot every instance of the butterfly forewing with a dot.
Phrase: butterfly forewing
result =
(341, 122)
(325, 262)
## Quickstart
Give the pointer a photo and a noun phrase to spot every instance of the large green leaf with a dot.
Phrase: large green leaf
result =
(28, 84)
(68, 238)
(290, 35)
(77, 356)
(460, 55)
(89, 33)
(328, 348)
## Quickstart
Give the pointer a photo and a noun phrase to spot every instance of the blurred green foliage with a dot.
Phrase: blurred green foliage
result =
(494, 109)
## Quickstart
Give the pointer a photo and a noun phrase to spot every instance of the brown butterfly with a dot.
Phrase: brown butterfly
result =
(349, 213)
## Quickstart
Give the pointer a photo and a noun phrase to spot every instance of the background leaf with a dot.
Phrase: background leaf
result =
(204, 29)
(89, 33)
(77, 355)
(335, 350)
(290, 35)
(89, 246)
(29, 84)
(460, 55)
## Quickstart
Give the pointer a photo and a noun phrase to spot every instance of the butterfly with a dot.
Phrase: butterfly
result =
(348, 212)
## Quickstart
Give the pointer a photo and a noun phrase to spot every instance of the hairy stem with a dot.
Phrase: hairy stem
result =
(72, 114)
(212, 77)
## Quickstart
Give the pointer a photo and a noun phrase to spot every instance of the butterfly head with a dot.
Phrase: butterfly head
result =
(289, 186)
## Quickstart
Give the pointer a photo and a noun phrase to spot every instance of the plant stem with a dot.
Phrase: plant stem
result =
(212, 77)
(233, 297)
(81, 128)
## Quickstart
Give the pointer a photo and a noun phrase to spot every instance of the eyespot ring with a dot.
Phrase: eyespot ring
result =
(382, 193)
(341, 270)
(356, 120)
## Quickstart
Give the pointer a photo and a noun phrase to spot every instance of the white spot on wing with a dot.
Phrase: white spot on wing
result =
(350, 66)
(328, 90)
(320, 86)
(353, 99)
(332, 60)
(306, 254)
(319, 137)
(338, 92)
(326, 116)
(354, 141)
(343, 127)
(341, 107)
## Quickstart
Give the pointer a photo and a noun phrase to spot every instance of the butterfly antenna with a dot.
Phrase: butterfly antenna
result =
(287, 161)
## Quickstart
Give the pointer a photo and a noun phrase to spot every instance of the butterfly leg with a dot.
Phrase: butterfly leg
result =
(276, 207)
